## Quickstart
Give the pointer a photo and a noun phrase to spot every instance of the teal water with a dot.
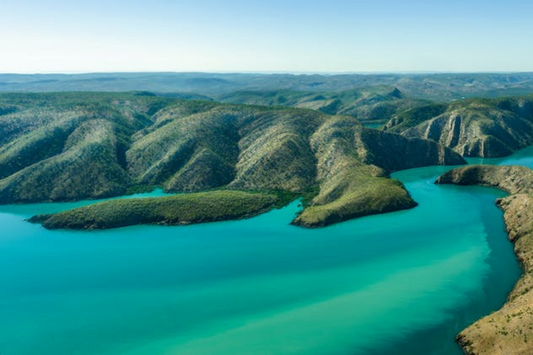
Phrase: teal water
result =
(373, 125)
(522, 157)
(402, 283)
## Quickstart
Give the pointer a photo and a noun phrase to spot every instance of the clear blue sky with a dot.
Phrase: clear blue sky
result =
(266, 36)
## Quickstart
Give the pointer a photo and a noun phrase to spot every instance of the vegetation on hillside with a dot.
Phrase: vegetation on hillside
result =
(58, 147)
(172, 210)
(353, 165)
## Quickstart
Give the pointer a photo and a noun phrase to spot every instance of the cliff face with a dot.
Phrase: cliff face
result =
(507, 331)
(393, 152)
(473, 128)
(512, 179)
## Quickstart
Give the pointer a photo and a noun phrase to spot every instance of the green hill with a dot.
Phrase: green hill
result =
(353, 166)
(58, 147)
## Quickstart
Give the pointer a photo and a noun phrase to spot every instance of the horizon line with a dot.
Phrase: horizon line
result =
(273, 72)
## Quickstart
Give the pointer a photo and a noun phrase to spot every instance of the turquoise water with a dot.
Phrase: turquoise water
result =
(402, 283)
(522, 157)
(373, 125)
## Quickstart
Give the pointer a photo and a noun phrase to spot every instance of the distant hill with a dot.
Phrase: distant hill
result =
(70, 146)
(436, 87)
(373, 104)
(474, 127)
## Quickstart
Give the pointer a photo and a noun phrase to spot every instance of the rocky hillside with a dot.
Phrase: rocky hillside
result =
(353, 165)
(508, 330)
(473, 128)
(511, 179)
(57, 147)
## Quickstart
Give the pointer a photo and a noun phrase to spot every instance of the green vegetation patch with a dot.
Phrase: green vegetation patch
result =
(365, 197)
(173, 210)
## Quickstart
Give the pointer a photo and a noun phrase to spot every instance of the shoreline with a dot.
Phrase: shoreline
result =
(508, 330)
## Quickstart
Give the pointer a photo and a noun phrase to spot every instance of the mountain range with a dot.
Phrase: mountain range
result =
(71, 146)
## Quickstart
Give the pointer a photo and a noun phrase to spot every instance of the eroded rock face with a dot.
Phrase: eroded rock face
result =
(473, 128)
(512, 179)
(394, 152)
(509, 330)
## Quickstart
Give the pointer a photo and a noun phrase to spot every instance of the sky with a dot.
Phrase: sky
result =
(312, 36)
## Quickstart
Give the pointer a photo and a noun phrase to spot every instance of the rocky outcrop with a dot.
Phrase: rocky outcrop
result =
(511, 179)
(473, 128)
(509, 330)
(394, 152)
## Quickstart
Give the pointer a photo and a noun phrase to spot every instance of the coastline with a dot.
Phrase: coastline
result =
(344, 238)
(508, 330)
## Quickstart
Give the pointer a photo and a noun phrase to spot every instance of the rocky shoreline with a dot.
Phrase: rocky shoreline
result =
(509, 330)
